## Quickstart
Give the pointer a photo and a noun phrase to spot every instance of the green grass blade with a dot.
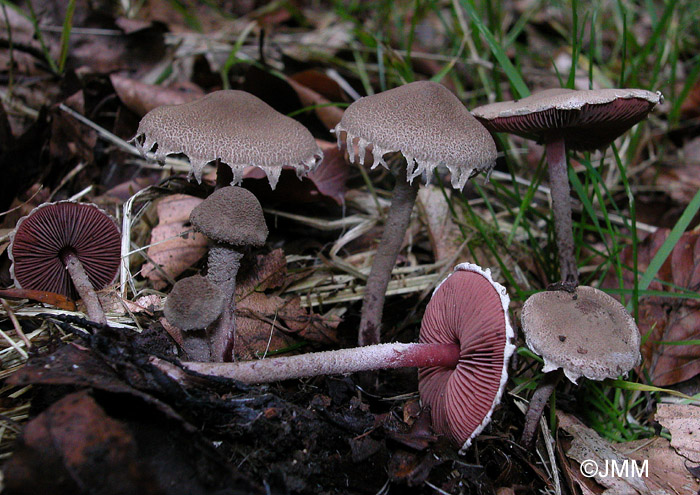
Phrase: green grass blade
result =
(65, 35)
(516, 81)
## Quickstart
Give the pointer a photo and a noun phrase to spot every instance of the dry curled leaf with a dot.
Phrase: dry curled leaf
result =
(172, 252)
(668, 319)
(683, 421)
(141, 98)
(58, 300)
(268, 322)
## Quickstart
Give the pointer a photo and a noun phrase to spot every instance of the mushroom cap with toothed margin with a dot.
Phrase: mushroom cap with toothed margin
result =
(426, 123)
(194, 303)
(233, 126)
(586, 119)
(470, 309)
(50, 229)
(586, 333)
(231, 215)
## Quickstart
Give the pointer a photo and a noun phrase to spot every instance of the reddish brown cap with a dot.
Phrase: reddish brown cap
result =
(234, 126)
(52, 229)
(194, 303)
(586, 333)
(231, 215)
(426, 123)
(468, 308)
(585, 119)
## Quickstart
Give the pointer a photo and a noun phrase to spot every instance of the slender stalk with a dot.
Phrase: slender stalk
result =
(224, 263)
(367, 358)
(85, 289)
(404, 197)
(561, 207)
(537, 404)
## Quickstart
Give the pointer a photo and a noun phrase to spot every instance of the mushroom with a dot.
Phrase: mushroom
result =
(562, 118)
(231, 217)
(193, 304)
(229, 127)
(584, 333)
(429, 126)
(66, 247)
(463, 354)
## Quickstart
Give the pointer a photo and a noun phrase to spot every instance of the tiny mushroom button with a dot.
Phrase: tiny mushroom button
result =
(565, 118)
(233, 218)
(233, 128)
(429, 126)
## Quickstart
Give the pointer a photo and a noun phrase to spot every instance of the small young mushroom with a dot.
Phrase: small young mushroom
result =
(66, 247)
(231, 217)
(462, 355)
(429, 126)
(585, 333)
(193, 304)
(562, 118)
(231, 128)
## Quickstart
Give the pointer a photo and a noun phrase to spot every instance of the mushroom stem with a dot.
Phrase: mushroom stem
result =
(561, 207)
(85, 289)
(224, 263)
(402, 201)
(538, 401)
(375, 357)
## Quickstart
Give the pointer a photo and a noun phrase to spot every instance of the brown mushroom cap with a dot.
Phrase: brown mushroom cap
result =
(585, 119)
(52, 229)
(231, 215)
(470, 309)
(586, 333)
(194, 303)
(233, 126)
(426, 123)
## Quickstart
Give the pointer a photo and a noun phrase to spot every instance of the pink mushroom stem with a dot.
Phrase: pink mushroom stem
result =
(561, 207)
(375, 357)
(402, 201)
(84, 287)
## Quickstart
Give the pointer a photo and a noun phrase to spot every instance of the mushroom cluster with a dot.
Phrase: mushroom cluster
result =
(463, 353)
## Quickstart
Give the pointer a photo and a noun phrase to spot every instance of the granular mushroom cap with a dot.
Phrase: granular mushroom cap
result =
(231, 215)
(425, 122)
(233, 126)
(194, 303)
(586, 333)
(470, 309)
(586, 119)
(41, 237)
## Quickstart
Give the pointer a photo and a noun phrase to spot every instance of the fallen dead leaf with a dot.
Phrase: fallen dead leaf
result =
(174, 254)
(58, 300)
(668, 319)
(667, 471)
(141, 98)
(683, 421)
(268, 322)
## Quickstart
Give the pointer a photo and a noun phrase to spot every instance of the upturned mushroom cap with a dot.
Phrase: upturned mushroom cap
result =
(586, 119)
(49, 231)
(586, 333)
(234, 126)
(194, 303)
(231, 215)
(427, 124)
(468, 308)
